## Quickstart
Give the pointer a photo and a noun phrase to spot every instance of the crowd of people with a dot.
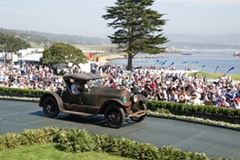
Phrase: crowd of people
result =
(154, 83)
(178, 86)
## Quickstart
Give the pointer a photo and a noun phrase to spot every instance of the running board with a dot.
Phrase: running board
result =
(138, 113)
(78, 113)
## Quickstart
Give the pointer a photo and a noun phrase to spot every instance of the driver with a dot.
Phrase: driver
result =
(76, 88)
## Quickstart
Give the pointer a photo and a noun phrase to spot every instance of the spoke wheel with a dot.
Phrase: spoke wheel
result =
(142, 106)
(114, 116)
(50, 107)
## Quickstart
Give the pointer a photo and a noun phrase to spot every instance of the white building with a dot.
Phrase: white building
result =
(24, 52)
(31, 58)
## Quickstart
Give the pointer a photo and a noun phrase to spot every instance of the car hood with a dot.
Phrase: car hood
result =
(110, 92)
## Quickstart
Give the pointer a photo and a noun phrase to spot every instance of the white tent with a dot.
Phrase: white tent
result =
(86, 67)
(32, 57)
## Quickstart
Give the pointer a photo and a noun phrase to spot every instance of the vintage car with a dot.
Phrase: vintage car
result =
(115, 104)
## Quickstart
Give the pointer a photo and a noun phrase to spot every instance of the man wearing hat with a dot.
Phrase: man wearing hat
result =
(195, 100)
(223, 103)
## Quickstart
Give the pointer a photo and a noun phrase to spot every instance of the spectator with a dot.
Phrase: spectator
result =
(231, 93)
(195, 100)
(223, 103)
(173, 96)
(160, 95)
(212, 92)
(235, 104)
(182, 98)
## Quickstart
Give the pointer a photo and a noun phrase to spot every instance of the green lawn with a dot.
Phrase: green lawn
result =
(211, 75)
(49, 152)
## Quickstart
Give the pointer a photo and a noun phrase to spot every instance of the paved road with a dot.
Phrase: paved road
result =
(15, 116)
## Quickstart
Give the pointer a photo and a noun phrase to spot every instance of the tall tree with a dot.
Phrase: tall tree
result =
(12, 43)
(138, 27)
(63, 53)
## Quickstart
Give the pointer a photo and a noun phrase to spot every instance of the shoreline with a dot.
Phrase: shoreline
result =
(108, 58)
(104, 60)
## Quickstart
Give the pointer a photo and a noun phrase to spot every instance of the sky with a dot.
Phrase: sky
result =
(84, 17)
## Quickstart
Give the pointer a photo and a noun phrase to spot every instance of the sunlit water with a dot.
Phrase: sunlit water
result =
(205, 61)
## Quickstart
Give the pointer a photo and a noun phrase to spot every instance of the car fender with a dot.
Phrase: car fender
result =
(142, 97)
(112, 101)
(55, 96)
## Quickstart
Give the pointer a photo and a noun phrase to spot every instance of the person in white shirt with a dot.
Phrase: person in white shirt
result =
(195, 100)
(236, 104)
(198, 91)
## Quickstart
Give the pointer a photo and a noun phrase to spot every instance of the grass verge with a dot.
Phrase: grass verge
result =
(213, 76)
(50, 152)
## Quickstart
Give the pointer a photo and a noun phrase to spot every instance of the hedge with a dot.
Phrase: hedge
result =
(21, 92)
(171, 106)
(76, 140)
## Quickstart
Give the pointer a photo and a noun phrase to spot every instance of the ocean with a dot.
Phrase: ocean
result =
(209, 61)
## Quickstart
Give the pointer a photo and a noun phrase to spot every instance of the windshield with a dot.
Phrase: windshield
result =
(97, 82)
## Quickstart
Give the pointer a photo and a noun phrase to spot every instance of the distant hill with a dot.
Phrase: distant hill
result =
(45, 39)
(224, 39)
(177, 41)
(200, 46)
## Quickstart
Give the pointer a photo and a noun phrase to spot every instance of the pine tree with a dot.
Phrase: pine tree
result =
(138, 27)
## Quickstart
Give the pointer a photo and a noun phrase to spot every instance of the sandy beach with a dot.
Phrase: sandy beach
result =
(107, 59)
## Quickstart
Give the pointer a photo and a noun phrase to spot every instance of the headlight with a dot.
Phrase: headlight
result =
(135, 98)
(125, 99)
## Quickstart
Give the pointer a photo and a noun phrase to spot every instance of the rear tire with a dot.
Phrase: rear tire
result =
(50, 107)
(114, 116)
(142, 106)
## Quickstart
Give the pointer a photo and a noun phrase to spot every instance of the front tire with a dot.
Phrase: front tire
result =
(142, 106)
(114, 116)
(50, 107)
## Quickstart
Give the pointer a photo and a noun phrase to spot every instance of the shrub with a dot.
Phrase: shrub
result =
(215, 110)
(164, 104)
(163, 110)
(200, 109)
(236, 112)
(26, 92)
(150, 106)
(227, 112)
(75, 140)
(170, 106)
(208, 109)
(180, 107)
